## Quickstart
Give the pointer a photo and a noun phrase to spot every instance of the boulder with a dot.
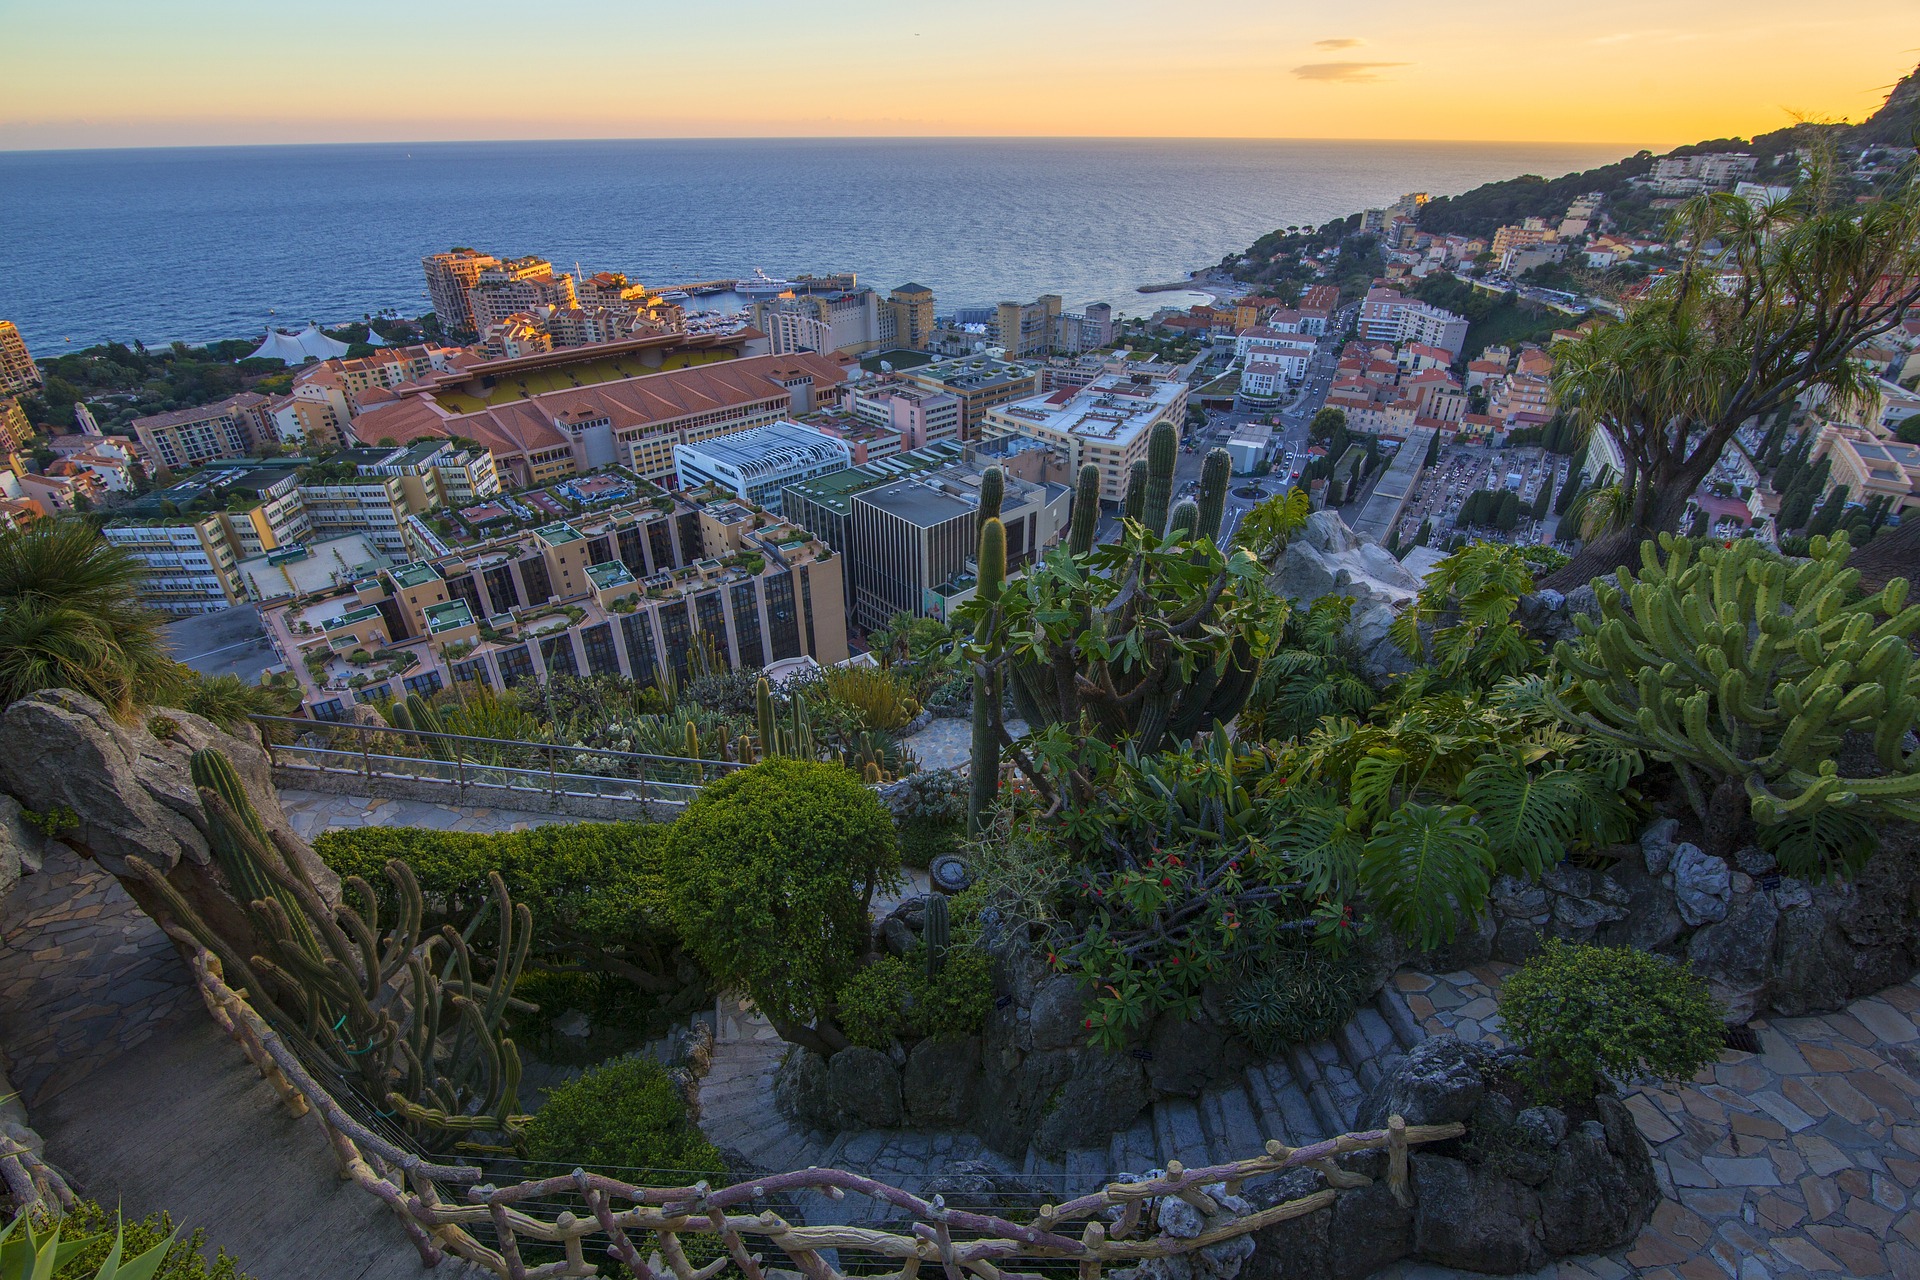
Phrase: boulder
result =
(976, 1184)
(1364, 1230)
(21, 844)
(1735, 955)
(1441, 1081)
(941, 1082)
(1702, 883)
(1652, 920)
(1468, 1218)
(800, 1090)
(864, 1087)
(1549, 616)
(1657, 843)
(1015, 1093)
(1189, 1055)
(1059, 1015)
(1101, 1094)
(1325, 558)
(1602, 1189)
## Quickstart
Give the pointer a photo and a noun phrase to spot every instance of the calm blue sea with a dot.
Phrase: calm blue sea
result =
(204, 243)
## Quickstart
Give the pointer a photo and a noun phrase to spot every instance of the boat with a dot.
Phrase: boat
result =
(762, 286)
(675, 295)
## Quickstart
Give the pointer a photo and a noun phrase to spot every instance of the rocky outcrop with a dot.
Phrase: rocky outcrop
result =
(131, 794)
(1325, 558)
(21, 843)
(1526, 1185)
(1764, 941)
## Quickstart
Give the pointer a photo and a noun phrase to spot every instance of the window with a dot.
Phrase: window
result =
(631, 554)
(557, 652)
(533, 572)
(502, 589)
(783, 625)
(660, 540)
(472, 671)
(712, 619)
(599, 550)
(676, 632)
(602, 659)
(426, 684)
(746, 625)
(515, 665)
(806, 608)
(329, 710)
(636, 630)
(691, 545)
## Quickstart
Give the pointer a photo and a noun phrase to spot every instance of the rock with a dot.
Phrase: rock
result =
(1754, 860)
(1517, 899)
(21, 844)
(1102, 1094)
(1702, 883)
(864, 1087)
(1016, 1091)
(1325, 558)
(1471, 946)
(1652, 919)
(1466, 1218)
(1059, 1017)
(800, 1090)
(574, 1023)
(1735, 955)
(1657, 843)
(1547, 1123)
(1189, 1055)
(1180, 1219)
(1792, 893)
(1550, 616)
(1810, 963)
(1602, 1189)
(897, 935)
(1364, 1230)
(941, 1082)
(975, 1183)
(1516, 941)
(1441, 1081)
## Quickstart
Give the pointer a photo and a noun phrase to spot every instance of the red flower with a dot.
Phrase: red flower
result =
(1089, 1023)
(1165, 883)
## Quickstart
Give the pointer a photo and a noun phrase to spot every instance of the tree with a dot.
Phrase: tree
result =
(1426, 533)
(1433, 450)
(1770, 302)
(1326, 422)
(1827, 518)
(70, 617)
(778, 865)
(1543, 499)
(1507, 511)
(1568, 492)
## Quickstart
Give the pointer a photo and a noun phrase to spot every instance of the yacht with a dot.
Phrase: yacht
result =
(762, 286)
(675, 295)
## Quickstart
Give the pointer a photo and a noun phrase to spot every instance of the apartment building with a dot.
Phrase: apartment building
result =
(633, 422)
(824, 505)
(18, 372)
(979, 382)
(1388, 316)
(189, 562)
(1026, 328)
(635, 591)
(1291, 352)
(1107, 423)
(346, 381)
(915, 541)
(512, 337)
(1530, 232)
(1709, 171)
(450, 280)
(517, 285)
(846, 322)
(757, 464)
(1871, 465)
(15, 430)
(906, 318)
(917, 416)
(232, 428)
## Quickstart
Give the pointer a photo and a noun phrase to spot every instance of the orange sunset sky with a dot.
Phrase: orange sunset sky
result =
(96, 73)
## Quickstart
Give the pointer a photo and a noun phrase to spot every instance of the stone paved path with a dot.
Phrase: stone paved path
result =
(948, 743)
(1797, 1161)
(311, 812)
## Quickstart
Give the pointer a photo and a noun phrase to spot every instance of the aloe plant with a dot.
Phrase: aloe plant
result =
(27, 1255)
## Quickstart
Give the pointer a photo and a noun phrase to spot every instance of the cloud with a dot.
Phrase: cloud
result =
(1344, 42)
(1345, 72)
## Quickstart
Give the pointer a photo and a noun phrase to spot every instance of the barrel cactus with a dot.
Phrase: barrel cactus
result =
(1748, 672)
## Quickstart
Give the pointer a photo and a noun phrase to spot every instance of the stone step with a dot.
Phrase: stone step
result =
(1307, 1073)
(1182, 1136)
(1347, 1093)
(1356, 1053)
(1237, 1129)
(1133, 1147)
(1280, 1104)
(1087, 1170)
(1392, 1004)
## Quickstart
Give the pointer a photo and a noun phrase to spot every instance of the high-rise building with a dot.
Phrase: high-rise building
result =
(14, 427)
(823, 322)
(921, 417)
(906, 318)
(978, 382)
(450, 276)
(18, 372)
(1107, 423)
(517, 285)
(1026, 328)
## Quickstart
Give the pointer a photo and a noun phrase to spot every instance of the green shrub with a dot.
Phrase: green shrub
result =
(1589, 1015)
(893, 998)
(184, 1260)
(626, 1115)
(597, 890)
(1296, 995)
(922, 841)
(774, 868)
(620, 1017)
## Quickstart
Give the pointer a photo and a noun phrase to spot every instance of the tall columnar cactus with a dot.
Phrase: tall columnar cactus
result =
(984, 767)
(1135, 505)
(763, 714)
(692, 747)
(936, 933)
(239, 839)
(1215, 474)
(1747, 671)
(1183, 521)
(1163, 450)
(425, 720)
(1086, 511)
(993, 491)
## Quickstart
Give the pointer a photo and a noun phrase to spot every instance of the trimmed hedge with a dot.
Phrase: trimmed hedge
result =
(628, 1114)
(895, 998)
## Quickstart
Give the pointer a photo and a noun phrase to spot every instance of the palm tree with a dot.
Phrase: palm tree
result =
(1772, 302)
(70, 618)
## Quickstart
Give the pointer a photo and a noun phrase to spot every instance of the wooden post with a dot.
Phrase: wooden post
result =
(1397, 1161)
(1093, 1237)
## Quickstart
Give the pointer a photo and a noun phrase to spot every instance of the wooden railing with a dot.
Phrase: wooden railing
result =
(963, 1244)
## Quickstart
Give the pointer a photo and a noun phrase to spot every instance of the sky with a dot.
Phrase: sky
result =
(126, 73)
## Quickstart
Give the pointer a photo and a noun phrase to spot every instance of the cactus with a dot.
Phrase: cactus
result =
(239, 839)
(936, 933)
(1086, 511)
(1183, 521)
(1135, 505)
(984, 765)
(1163, 449)
(993, 490)
(1215, 474)
(1745, 671)
(692, 747)
(763, 716)
(426, 720)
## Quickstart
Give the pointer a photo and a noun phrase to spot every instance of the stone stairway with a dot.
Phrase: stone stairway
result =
(1310, 1092)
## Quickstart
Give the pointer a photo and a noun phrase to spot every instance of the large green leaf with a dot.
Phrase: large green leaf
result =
(1426, 869)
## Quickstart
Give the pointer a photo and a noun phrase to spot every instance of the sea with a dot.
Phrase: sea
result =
(197, 244)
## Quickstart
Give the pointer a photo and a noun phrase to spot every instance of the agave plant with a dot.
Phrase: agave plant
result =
(27, 1255)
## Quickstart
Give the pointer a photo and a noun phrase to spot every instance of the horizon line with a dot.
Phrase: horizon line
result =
(1630, 148)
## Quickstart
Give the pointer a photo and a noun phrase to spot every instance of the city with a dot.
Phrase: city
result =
(1395, 753)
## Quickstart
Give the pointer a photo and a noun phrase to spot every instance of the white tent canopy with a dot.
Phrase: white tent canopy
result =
(298, 348)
